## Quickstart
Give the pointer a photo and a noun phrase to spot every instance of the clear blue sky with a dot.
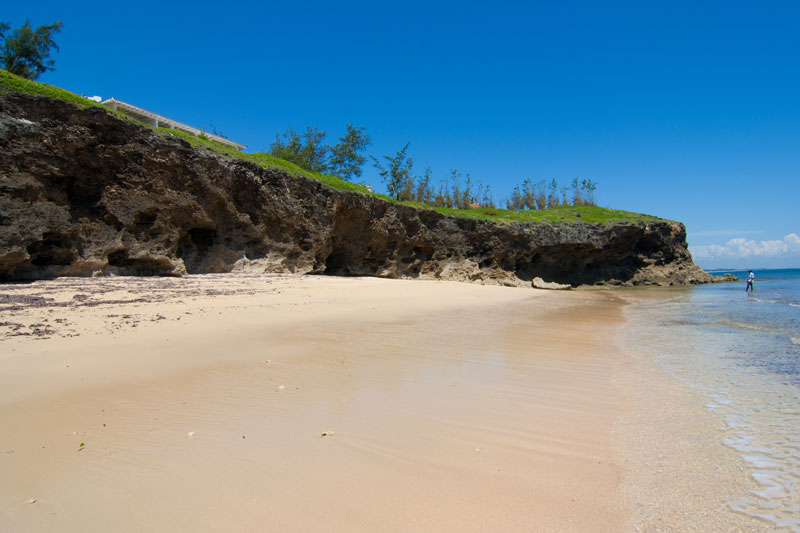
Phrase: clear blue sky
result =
(684, 110)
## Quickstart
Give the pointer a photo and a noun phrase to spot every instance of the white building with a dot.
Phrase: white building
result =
(159, 121)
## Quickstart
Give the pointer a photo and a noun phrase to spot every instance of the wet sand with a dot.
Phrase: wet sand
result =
(283, 403)
(676, 473)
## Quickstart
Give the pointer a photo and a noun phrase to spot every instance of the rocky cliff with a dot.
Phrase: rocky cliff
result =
(83, 192)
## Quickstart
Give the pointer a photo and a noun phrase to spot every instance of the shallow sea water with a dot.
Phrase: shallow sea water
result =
(742, 352)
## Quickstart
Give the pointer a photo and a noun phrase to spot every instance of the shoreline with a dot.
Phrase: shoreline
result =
(234, 401)
(682, 470)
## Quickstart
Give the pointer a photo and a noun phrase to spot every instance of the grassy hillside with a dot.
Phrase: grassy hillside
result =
(590, 214)
(9, 83)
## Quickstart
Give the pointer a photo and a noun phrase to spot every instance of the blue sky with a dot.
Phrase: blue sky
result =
(684, 110)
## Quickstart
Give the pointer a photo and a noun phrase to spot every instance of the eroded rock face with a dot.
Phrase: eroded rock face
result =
(83, 192)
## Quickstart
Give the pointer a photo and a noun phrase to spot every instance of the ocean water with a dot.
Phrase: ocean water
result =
(742, 352)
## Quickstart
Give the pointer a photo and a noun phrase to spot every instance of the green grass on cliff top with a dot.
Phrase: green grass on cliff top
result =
(265, 160)
(590, 214)
(10, 83)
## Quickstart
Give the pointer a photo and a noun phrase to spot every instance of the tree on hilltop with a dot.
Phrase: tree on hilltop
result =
(545, 195)
(588, 187)
(398, 177)
(346, 159)
(25, 51)
(287, 145)
(304, 150)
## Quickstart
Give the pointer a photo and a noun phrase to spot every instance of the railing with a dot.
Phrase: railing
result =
(168, 122)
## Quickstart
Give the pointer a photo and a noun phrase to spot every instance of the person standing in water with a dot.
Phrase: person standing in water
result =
(750, 278)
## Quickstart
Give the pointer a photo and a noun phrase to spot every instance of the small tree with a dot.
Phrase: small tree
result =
(467, 197)
(541, 195)
(346, 159)
(398, 177)
(456, 190)
(315, 154)
(528, 194)
(443, 198)
(486, 197)
(517, 201)
(552, 195)
(424, 192)
(25, 51)
(305, 151)
(588, 187)
(576, 192)
(545, 195)
(287, 145)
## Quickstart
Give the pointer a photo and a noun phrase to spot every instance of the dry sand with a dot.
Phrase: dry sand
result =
(281, 403)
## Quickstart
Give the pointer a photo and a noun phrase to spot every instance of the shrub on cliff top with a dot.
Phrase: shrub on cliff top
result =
(306, 150)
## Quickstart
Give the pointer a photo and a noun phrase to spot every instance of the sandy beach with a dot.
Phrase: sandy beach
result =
(284, 403)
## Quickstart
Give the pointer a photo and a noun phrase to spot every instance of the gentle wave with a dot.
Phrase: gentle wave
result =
(779, 302)
(752, 327)
(749, 327)
(716, 342)
(765, 301)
